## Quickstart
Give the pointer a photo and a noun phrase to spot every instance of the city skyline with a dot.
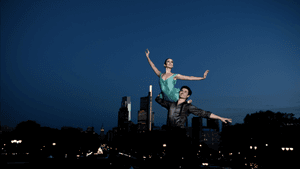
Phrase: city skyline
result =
(70, 63)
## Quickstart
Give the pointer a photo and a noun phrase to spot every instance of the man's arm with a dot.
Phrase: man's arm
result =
(206, 114)
(162, 102)
(213, 116)
(198, 112)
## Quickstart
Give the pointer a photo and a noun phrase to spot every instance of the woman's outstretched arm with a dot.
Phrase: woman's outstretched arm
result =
(157, 72)
(182, 77)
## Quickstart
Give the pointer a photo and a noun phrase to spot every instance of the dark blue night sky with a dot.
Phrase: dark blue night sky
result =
(69, 63)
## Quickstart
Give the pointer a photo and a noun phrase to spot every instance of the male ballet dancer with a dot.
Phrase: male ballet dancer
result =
(177, 116)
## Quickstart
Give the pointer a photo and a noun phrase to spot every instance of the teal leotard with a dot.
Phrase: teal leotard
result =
(168, 91)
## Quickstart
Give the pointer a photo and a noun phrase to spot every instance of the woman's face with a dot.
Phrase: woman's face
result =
(169, 63)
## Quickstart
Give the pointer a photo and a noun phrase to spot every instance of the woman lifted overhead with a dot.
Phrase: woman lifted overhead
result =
(168, 80)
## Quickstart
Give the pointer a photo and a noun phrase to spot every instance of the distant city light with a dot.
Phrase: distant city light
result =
(282, 148)
(255, 147)
(200, 145)
(287, 148)
(205, 164)
(250, 147)
(266, 144)
(53, 144)
(15, 141)
(219, 151)
(230, 153)
(292, 148)
(239, 152)
(164, 145)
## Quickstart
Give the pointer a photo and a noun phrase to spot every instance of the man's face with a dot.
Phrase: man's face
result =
(184, 93)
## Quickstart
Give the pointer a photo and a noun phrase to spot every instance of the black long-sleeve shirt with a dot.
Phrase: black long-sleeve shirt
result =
(177, 114)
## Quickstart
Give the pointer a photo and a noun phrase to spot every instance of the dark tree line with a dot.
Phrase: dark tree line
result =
(38, 141)
(268, 132)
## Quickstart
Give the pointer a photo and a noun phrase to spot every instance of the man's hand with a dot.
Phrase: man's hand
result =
(225, 120)
(147, 53)
(205, 74)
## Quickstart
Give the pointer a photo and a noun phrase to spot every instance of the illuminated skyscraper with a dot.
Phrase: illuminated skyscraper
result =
(127, 103)
(142, 119)
(146, 112)
(150, 116)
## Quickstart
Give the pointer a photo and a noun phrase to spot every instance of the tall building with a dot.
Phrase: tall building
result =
(208, 134)
(150, 115)
(127, 103)
(110, 135)
(102, 135)
(211, 137)
(122, 116)
(146, 111)
(197, 128)
(144, 103)
(142, 118)
(213, 124)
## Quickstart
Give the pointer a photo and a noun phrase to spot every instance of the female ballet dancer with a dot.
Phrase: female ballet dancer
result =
(168, 80)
